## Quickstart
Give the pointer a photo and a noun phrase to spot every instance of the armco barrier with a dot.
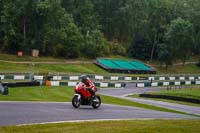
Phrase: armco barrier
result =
(155, 84)
(70, 77)
(58, 83)
(21, 84)
(21, 77)
(127, 78)
(103, 84)
(161, 78)
(100, 77)
(97, 77)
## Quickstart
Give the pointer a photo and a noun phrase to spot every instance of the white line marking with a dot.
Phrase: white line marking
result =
(30, 102)
(129, 94)
(96, 120)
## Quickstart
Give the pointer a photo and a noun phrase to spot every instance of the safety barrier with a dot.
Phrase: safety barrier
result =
(22, 84)
(103, 84)
(99, 77)
(161, 78)
(71, 77)
(58, 83)
(155, 84)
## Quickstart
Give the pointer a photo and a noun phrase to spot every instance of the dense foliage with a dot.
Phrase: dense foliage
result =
(166, 30)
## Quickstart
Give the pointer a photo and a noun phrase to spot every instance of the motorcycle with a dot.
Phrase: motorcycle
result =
(82, 96)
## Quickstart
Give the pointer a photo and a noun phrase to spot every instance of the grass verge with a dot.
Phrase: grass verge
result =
(45, 68)
(186, 69)
(188, 93)
(39, 93)
(130, 126)
(77, 68)
(89, 68)
(166, 100)
(10, 57)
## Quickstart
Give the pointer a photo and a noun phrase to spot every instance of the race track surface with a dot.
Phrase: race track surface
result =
(15, 113)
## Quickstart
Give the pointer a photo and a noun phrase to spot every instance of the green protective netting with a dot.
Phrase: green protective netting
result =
(140, 65)
(108, 63)
(123, 64)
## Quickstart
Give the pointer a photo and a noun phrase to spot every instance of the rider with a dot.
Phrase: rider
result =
(89, 84)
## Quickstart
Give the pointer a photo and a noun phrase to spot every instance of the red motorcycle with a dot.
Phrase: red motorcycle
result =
(82, 96)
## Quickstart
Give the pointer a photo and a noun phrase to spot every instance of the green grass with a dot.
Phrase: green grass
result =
(65, 94)
(188, 93)
(187, 69)
(39, 93)
(130, 126)
(77, 68)
(119, 57)
(45, 68)
(166, 100)
(86, 68)
(9, 57)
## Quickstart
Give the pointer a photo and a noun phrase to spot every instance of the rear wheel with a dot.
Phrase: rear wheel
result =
(96, 102)
(76, 102)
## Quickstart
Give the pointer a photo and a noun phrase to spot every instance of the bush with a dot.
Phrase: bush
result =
(117, 49)
(198, 64)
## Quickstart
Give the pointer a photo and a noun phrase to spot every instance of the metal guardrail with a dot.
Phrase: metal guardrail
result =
(58, 83)
(97, 77)
(176, 83)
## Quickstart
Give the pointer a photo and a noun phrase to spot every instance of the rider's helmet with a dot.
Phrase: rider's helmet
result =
(83, 78)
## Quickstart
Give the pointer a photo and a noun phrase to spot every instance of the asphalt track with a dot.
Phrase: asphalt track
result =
(15, 113)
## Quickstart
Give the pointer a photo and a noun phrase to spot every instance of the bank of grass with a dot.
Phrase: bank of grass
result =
(39, 93)
(78, 67)
(26, 57)
(65, 94)
(10, 57)
(45, 68)
(88, 68)
(129, 126)
(83, 68)
(166, 100)
(187, 93)
(186, 69)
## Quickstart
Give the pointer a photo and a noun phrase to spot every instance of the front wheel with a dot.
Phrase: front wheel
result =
(96, 102)
(76, 102)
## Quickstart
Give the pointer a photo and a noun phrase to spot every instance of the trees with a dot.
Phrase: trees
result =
(148, 21)
(44, 25)
(179, 38)
(164, 55)
(85, 18)
(9, 31)
(94, 45)
(112, 19)
(61, 36)
(193, 15)
(66, 27)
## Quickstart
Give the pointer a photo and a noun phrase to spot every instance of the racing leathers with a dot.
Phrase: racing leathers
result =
(90, 86)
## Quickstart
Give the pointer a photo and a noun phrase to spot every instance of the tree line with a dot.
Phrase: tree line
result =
(165, 30)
